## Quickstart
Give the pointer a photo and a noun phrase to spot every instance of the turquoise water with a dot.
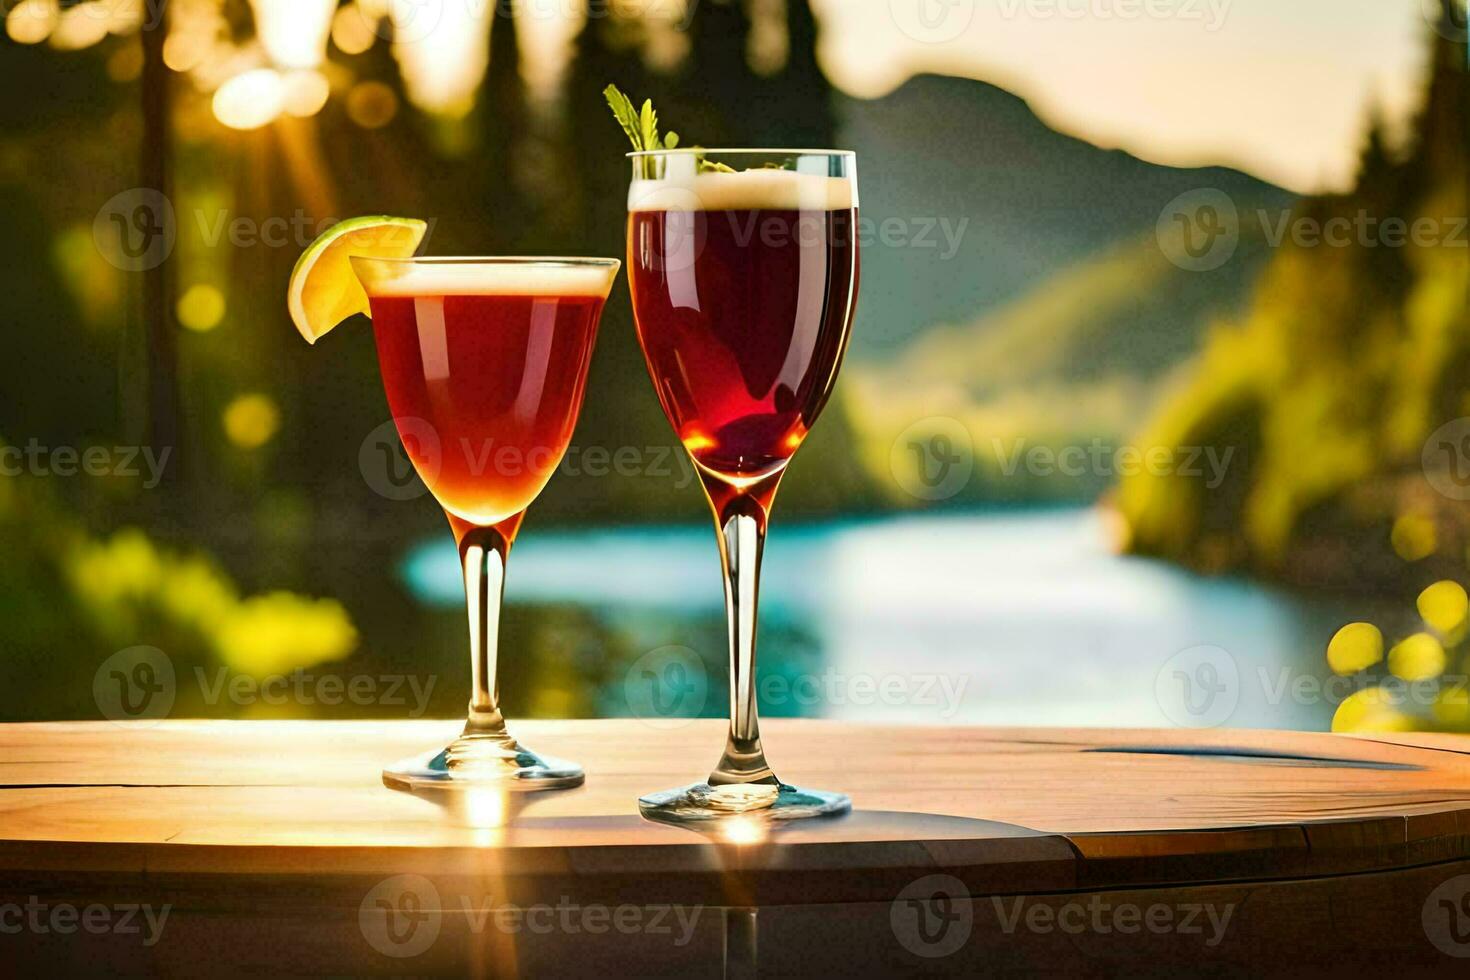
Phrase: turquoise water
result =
(1009, 618)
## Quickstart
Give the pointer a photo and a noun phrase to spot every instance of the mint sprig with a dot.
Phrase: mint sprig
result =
(641, 127)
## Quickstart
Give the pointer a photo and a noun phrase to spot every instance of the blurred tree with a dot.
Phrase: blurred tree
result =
(1356, 349)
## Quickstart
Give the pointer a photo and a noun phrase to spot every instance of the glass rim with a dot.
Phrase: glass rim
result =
(545, 260)
(730, 151)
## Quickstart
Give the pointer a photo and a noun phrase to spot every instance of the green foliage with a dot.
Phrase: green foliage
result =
(1349, 357)
(1083, 356)
(641, 127)
(630, 119)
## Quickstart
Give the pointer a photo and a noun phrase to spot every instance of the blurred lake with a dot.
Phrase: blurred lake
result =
(1013, 617)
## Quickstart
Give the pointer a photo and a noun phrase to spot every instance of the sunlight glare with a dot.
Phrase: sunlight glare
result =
(304, 93)
(250, 100)
(545, 33)
(81, 26)
(294, 32)
(32, 21)
(444, 55)
(743, 830)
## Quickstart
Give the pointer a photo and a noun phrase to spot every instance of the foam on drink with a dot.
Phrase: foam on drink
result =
(742, 288)
(763, 190)
(386, 277)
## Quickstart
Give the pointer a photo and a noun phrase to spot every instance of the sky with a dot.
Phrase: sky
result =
(1279, 88)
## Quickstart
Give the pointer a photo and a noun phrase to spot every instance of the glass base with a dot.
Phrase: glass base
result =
(483, 761)
(702, 802)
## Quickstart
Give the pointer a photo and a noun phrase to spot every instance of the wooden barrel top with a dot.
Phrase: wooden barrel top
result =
(274, 848)
(1035, 809)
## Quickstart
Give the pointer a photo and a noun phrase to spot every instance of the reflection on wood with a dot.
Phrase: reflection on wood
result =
(288, 822)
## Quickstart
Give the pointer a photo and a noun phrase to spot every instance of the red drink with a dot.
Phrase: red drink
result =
(484, 362)
(743, 282)
(743, 315)
(485, 385)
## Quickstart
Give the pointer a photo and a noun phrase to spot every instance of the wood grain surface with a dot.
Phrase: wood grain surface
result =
(290, 820)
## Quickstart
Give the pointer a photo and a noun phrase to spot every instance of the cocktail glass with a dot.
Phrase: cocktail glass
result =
(484, 362)
(743, 266)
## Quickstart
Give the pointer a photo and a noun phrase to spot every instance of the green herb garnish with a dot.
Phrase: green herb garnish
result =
(641, 126)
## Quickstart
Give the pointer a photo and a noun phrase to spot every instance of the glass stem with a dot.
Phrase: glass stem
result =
(741, 522)
(482, 553)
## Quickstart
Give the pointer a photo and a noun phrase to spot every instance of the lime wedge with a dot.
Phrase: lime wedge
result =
(324, 291)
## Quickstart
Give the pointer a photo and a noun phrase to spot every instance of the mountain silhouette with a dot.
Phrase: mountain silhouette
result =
(1048, 309)
(1036, 202)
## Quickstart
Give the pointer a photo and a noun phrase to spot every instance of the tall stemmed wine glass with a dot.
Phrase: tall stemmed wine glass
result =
(743, 266)
(484, 361)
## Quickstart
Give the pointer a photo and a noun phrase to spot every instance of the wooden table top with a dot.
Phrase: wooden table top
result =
(275, 848)
(1004, 809)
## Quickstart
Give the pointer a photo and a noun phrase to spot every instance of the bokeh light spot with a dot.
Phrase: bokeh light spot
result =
(184, 50)
(1444, 606)
(251, 420)
(304, 93)
(1414, 537)
(1355, 647)
(82, 26)
(250, 100)
(1419, 657)
(281, 631)
(1368, 710)
(32, 21)
(372, 105)
(201, 308)
(351, 32)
